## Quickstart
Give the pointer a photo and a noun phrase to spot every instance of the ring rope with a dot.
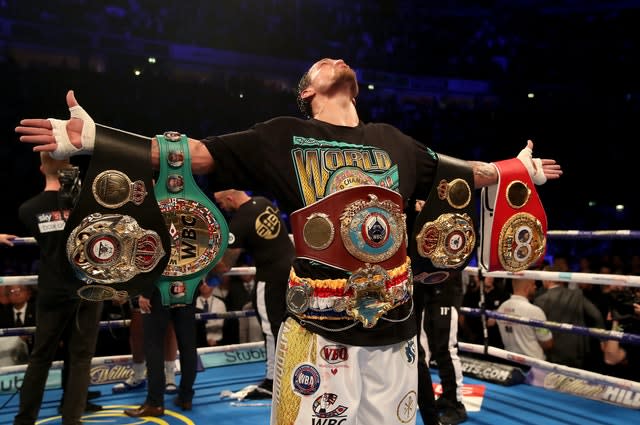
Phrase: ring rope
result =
(97, 361)
(530, 361)
(578, 277)
(563, 327)
(551, 234)
(113, 324)
(593, 278)
(33, 279)
(593, 234)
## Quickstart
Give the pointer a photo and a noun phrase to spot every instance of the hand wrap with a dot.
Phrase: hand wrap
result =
(65, 148)
(533, 166)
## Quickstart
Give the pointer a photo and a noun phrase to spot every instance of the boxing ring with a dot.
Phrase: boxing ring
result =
(548, 393)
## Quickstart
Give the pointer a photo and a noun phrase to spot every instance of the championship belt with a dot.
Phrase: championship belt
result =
(116, 239)
(198, 230)
(444, 234)
(351, 227)
(361, 230)
(514, 224)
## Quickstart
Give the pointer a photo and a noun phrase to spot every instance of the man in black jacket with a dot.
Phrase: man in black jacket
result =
(60, 313)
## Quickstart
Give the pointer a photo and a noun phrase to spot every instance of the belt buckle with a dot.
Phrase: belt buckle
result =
(370, 299)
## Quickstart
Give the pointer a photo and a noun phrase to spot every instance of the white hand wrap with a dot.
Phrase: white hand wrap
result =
(533, 165)
(65, 148)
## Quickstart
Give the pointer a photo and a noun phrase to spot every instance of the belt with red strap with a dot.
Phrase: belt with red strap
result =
(361, 230)
(514, 222)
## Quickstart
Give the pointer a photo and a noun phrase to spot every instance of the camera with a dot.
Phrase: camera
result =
(622, 304)
(70, 186)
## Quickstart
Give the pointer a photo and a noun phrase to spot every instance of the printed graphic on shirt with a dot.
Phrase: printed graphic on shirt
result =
(268, 224)
(324, 167)
(52, 221)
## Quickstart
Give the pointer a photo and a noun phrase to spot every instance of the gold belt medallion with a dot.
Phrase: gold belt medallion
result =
(372, 231)
(110, 248)
(113, 189)
(370, 299)
(522, 242)
(196, 236)
(448, 241)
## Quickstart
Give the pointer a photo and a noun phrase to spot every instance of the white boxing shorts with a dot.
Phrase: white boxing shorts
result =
(321, 382)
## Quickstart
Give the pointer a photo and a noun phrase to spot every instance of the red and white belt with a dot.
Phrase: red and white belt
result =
(514, 223)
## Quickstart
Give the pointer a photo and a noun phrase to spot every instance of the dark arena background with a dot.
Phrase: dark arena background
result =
(472, 79)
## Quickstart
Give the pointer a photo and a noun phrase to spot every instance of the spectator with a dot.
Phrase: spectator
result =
(622, 359)
(22, 312)
(519, 338)
(210, 331)
(563, 305)
(6, 239)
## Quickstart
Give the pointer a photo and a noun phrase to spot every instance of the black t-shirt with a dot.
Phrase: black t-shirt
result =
(45, 221)
(258, 228)
(301, 161)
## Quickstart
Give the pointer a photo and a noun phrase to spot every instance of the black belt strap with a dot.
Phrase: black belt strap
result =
(129, 154)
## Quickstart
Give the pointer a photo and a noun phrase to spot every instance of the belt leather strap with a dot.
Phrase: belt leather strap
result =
(198, 230)
(116, 197)
(514, 223)
(444, 232)
(352, 227)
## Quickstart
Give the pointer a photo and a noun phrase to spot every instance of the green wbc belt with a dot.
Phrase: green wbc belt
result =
(198, 231)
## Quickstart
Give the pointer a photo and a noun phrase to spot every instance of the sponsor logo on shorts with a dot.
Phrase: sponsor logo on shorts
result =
(306, 379)
(407, 407)
(327, 412)
(334, 354)
(410, 351)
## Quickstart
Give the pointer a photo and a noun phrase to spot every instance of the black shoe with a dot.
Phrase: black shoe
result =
(454, 415)
(183, 404)
(262, 391)
(145, 410)
(89, 407)
(93, 394)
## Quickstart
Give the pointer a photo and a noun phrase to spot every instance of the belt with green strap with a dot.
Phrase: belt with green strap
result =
(198, 230)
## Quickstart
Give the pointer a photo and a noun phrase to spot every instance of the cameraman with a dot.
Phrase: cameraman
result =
(622, 358)
(61, 316)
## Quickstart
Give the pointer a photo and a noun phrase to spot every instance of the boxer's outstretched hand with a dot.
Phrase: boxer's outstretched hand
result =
(61, 138)
(540, 170)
